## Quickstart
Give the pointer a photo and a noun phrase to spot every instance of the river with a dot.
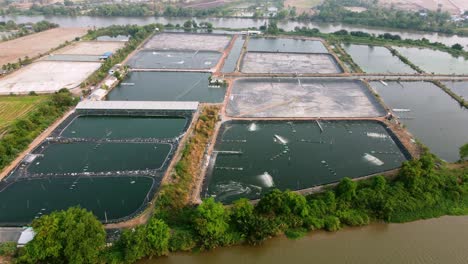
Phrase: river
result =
(87, 21)
(441, 240)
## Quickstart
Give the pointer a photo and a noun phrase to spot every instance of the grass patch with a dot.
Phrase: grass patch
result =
(15, 107)
(295, 233)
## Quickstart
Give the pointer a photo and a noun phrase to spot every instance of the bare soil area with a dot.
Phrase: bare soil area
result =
(452, 6)
(92, 47)
(36, 44)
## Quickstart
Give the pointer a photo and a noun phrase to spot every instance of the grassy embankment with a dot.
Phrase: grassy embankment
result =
(174, 194)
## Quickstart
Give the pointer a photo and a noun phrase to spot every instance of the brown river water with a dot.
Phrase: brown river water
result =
(442, 240)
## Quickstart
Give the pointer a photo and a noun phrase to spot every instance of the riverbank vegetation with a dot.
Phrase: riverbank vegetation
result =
(387, 39)
(14, 30)
(375, 15)
(25, 129)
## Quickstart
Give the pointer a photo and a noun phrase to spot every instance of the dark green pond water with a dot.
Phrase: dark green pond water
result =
(231, 61)
(375, 59)
(115, 127)
(296, 155)
(164, 59)
(117, 197)
(460, 88)
(94, 157)
(167, 86)
(434, 117)
(286, 45)
(434, 61)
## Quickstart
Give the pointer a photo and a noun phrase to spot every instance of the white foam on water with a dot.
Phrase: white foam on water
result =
(180, 62)
(372, 159)
(266, 179)
(231, 189)
(281, 139)
(253, 127)
(207, 62)
(401, 110)
(376, 135)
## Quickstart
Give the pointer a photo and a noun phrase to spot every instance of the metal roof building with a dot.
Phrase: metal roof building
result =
(137, 105)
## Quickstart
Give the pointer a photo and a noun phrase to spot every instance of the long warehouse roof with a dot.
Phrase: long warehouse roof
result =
(136, 105)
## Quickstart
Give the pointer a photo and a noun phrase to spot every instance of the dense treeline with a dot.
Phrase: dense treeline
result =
(423, 189)
(360, 37)
(334, 11)
(137, 35)
(24, 130)
(131, 10)
(24, 29)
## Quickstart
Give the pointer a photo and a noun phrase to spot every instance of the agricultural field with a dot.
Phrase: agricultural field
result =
(36, 44)
(451, 6)
(302, 6)
(14, 107)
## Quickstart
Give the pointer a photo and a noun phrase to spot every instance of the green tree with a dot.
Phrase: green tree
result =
(464, 152)
(211, 223)
(346, 189)
(457, 47)
(158, 234)
(71, 236)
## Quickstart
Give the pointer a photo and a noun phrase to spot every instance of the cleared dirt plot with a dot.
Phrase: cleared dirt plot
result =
(162, 59)
(114, 127)
(47, 77)
(98, 157)
(375, 59)
(38, 43)
(430, 114)
(251, 158)
(266, 62)
(460, 88)
(288, 97)
(286, 45)
(453, 6)
(176, 41)
(109, 198)
(14, 107)
(434, 61)
(91, 47)
(167, 86)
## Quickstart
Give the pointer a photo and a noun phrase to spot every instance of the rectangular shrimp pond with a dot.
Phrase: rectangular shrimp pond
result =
(174, 59)
(433, 117)
(286, 45)
(250, 158)
(111, 165)
(272, 62)
(435, 61)
(167, 86)
(301, 97)
(375, 59)
(109, 198)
